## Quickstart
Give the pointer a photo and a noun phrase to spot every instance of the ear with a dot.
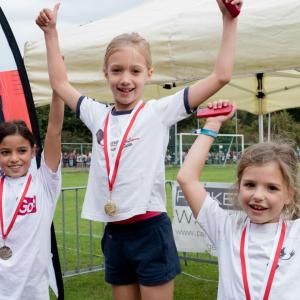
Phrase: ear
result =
(105, 72)
(290, 196)
(149, 73)
(33, 151)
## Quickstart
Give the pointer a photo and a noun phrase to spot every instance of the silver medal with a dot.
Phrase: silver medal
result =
(5, 253)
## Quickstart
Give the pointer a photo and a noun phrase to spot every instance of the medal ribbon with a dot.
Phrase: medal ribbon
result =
(112, 175)
(274, 264)
(12, 222)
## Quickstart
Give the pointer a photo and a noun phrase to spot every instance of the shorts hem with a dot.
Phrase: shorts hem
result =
(159, 281)
(145, 283)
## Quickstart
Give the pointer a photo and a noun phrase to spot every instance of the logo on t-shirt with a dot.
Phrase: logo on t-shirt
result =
(28, 206)
(100, 137)
(113, 144)
(286, 254)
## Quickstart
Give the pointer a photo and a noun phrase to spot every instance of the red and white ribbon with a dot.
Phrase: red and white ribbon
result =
(272, 265)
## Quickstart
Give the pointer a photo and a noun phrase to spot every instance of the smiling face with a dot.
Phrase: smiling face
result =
(263, 193)
(127, 73)
(15, 155)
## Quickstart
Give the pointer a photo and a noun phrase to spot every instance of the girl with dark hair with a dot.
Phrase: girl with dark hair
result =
(27, 202)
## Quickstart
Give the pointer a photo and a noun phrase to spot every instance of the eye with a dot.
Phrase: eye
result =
(4, 152)
(115, 70)
(23, 150)
(249, 184)
(136, 70)
(273, 188)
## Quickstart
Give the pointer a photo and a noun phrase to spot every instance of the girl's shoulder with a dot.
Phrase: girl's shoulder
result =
(293, 223)
(232, 217)
(93, 101)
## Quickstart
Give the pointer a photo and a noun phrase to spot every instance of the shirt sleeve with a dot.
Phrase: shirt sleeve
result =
(212, 219)
(91, 112)
(172, 109)
(51, 181)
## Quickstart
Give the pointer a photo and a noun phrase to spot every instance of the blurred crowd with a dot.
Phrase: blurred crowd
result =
(76, 160)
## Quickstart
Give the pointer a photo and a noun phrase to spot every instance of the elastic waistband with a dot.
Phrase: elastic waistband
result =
(138, 225)
(138, 218)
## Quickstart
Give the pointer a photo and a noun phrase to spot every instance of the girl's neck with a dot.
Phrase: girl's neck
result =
(125, 107)
(275, 222)
(15, 178)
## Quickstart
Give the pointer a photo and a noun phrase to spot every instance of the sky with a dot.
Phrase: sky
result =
(21, 15)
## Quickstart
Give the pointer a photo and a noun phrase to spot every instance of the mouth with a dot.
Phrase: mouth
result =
(125, 90)
(15, 167)
(257, 207)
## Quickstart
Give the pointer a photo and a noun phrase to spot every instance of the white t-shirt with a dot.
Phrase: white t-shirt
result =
(224, 228)
(24, 276)
(140, 181)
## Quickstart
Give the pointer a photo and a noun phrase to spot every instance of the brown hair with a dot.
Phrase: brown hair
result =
(16, 127)
(286, 159)
(129, 39)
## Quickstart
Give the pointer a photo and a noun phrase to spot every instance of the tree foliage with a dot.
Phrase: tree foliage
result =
(74, 131)
(284, 124)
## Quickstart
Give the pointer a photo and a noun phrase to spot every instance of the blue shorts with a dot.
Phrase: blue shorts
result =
(142, 253)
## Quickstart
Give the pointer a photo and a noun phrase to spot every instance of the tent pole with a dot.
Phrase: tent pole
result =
(176, 144)
(236, 131)
(260, 96)
(269, 127)
(261, 128)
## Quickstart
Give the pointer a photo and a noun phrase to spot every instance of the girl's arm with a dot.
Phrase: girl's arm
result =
(52, 144)
(221, 75)
(46, 20)
(190, 172)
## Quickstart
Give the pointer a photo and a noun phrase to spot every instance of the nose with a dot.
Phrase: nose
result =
(14, 157)
(259, 194)
(125, 78)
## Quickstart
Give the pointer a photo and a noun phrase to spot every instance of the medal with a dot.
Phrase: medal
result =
(110, 207)
(5, 253)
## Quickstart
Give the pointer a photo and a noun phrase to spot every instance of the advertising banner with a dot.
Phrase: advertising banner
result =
(189, 236)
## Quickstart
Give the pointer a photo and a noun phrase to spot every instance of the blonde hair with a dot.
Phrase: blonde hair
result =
(129, 39)
(286, 159)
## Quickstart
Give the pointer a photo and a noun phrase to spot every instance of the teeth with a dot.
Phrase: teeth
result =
(125, 90)
(257, 207)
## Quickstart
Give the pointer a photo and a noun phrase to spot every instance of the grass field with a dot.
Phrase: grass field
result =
(197, 281)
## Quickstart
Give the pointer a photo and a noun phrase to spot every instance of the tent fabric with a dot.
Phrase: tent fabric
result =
(184, 38)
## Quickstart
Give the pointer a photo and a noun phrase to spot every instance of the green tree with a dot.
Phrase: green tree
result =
(295, 113)
(284, 123)
(285, 126)
(74, 131)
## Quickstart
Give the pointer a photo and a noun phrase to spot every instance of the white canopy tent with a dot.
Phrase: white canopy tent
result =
(185, 36)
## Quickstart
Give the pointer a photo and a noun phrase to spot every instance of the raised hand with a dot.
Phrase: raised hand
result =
(219, 104)
(223, 8)
(47, 18)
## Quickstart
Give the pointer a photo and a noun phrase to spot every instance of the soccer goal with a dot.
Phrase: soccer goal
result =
(226, 148)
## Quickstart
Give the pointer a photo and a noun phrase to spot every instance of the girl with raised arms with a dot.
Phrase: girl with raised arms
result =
(126, 185)
(258, 246)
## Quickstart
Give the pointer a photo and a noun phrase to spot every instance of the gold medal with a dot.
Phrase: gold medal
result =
(110, 208)
(5, 253)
